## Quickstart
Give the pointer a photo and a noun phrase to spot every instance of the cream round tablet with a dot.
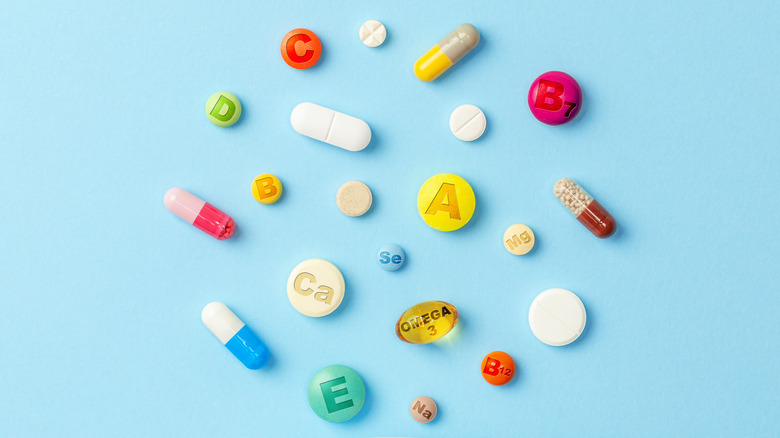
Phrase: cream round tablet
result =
(373, 33)
(354, 198)
(519, 239)
(557, 317)
(315, 287)
(423, 409)
(467, 122)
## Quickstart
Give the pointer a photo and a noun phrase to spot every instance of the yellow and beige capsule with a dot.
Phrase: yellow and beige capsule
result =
(450, 50)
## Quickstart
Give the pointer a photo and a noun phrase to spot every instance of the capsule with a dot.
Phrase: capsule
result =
(450, 50)
(235, 335)
(587, 210)
(199, 213)
(426, 322)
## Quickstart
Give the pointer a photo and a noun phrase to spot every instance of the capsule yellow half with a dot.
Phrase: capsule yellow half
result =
(450, 50)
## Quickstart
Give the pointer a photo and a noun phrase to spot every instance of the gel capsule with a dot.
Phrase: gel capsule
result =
(426, 322)
(199, 213)
(450, 50)
(235, 335)
(587, 210)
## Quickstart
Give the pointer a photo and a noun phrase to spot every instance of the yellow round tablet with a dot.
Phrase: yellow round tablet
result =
(446, 202)
(266, 188)
(519, 239)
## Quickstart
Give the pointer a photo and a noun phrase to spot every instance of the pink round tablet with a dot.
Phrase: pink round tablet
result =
(555, 98)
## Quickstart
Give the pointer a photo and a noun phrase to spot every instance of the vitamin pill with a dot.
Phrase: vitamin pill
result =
(423, 409)
(391, 257)
(336, 393)
(235, 335)
(223, 109)
(586, 209)
(199, 213)
(354, 198)
(266, 188)
(446, 202)
(426, 322)
(498, 368)
(301, 48)
(373, 33)
(557, 317)
(332, 127)
(555, 98)
(467, 122)
(518, 239)
(450, 50)
(315, 287)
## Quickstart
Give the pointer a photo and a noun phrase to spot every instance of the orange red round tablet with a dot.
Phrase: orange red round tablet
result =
(498, 368)
(301, 48)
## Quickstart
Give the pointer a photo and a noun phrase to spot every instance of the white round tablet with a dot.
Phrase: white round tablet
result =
(354, 198)
(373, 33)
(467, 122)
(557, 317)
(315, 287)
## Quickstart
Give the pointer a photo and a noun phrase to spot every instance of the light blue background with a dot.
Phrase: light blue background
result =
(102, 287)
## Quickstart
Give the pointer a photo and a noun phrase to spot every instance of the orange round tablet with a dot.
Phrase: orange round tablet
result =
(498, 368)
(301, 48)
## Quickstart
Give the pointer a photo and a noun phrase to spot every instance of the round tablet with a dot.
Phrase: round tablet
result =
(467, 122)
(301, 48)
(557, 317)
(446, 202)
(555, 98)
(518, 239)
(336, 393)
(498, 368)
(423, 409)
(354, 198)
(266, 188)
(390, 257)
(223, 109)
(315, 287)
(373, 33)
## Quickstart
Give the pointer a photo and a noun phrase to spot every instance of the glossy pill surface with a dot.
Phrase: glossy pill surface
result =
(557, 317)
(315, 287)
(390, 257)
(301, 48)
(498, 368)
(446, 202)
(235, 335)
(199, 213)
(586, 209)
(555, 98)
(266, 188)
(451, 49)
(223, 109)
(329, 126)
(423, 409)
(336, 393)
(519, 239)
(426, 322)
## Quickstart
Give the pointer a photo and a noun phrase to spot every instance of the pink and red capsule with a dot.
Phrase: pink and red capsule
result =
(555, 98)
(199, 213)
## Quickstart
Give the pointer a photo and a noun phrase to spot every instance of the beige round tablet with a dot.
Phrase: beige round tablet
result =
(423, 409)
(354, 198)
(315, 287)
(373, 33)
(518, 239)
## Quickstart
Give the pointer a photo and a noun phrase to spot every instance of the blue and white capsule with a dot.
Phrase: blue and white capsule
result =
(235, 335)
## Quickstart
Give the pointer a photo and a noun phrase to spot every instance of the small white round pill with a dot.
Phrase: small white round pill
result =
(468, 122)
(354, 198)
(557, 317)
(373, 33)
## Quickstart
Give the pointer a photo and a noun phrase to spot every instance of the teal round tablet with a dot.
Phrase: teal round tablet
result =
(336, 393)
(223, 109)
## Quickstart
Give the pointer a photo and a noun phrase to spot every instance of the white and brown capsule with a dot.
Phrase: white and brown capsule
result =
(587, 210)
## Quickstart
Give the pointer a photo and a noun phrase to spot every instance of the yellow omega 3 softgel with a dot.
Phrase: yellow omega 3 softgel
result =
(426, 322)
(450, 50)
